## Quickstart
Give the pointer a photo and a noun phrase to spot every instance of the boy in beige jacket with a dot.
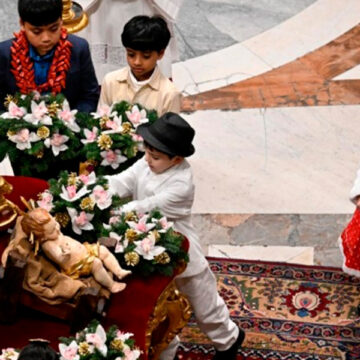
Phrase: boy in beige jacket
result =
(145, 40)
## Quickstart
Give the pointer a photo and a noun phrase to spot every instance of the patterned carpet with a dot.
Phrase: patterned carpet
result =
(289, 312)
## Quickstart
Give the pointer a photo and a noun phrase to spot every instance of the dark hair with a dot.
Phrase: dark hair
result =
(151, 148)
(38, 350)
(146, 33)
(40, 12)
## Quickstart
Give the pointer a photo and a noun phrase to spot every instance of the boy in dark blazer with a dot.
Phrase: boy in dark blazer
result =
(43, 57)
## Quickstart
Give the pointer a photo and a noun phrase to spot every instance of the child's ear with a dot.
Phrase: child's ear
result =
(21, 24)
(178, 159)
(161, 54)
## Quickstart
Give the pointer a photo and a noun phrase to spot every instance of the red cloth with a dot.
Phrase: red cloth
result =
(130, 310)
(350, 245)
(27, 187)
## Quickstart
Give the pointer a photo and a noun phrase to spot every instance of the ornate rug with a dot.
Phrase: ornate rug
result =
(289, 312)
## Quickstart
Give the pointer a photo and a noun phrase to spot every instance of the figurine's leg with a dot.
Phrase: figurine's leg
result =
(111, 263)
(102, 277)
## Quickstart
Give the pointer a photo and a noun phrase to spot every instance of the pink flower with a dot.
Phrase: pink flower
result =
(147, 248)
(23, 135)
(82, 219)
(101, 197)
(112, 158)
(71, 190)
(88, 179)
(141, 226)
(69, 352)
(39, 111)
(23, 139)
(90, 135)
(16, 111)
(46, 201)
(136, 116)
(114, 220)
(57, 140)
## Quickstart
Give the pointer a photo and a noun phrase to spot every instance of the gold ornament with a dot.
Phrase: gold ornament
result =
(117, 344)
(163, 258)
(131, 216)
(104, 142)
(131, 235)
(43, 132)
(53, 108)
(72, 179)
(103, 121)
(11, 133)
(8, 100)
(87, 204)
(132, 258)
(84, 348)
(62, 218)
(126, 128)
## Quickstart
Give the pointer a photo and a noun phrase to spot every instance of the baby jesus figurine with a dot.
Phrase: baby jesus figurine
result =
(74, 258)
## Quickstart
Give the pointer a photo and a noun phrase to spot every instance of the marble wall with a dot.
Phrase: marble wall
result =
(9, 21)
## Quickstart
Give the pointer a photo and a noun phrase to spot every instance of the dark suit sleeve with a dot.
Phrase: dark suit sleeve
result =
(89, 86)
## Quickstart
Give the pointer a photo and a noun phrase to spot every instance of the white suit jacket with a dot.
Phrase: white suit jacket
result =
(172, 192)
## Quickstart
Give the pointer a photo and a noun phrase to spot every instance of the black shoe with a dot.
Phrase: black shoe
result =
(230, 354)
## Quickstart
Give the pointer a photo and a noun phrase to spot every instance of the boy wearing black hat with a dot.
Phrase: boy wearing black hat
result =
(145, 40)
(163, 179)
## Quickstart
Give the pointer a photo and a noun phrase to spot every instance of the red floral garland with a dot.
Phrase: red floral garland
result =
(23, 69)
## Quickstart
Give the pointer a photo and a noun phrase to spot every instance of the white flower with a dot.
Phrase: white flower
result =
(101, 197)
(23, 139)
(39, 114)
(70, 194)
(123, 336)
(9, 354)
(68, 117)
(121, 245)
(165, 225)
(141, 226)
(88, 179)
(98, 339)
(57, 143)
(15, 112)
(91, 136)
(80, 221)
(147, 248)
(46, 201)
(115, 125)
(103, 110)
(136, 116)
(69, 352)
(112, 158)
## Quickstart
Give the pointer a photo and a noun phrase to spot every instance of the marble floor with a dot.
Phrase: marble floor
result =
(272, 90)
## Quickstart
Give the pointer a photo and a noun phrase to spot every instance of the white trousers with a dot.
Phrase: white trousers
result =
(210, 311)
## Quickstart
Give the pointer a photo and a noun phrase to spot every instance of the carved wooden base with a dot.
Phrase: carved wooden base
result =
(170, 315)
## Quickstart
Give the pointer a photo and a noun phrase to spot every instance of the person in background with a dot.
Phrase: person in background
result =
(43, 57)
(145, 40)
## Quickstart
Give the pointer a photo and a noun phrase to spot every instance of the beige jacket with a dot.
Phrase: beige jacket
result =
(159, 94)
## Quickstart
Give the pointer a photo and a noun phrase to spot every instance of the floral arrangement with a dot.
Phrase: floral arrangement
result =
(84, 207)
(81, 204)
(9, 354)
(109, 136)
(37, 132)
(146, 243)
(93, 343)
(42, 135)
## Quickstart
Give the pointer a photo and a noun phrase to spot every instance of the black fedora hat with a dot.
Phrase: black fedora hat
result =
(170, 134)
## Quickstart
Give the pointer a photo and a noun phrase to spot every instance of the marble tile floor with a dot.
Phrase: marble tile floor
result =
(307, 234)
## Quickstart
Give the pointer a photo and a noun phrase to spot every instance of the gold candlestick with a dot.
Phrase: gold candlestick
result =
(74, 18)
